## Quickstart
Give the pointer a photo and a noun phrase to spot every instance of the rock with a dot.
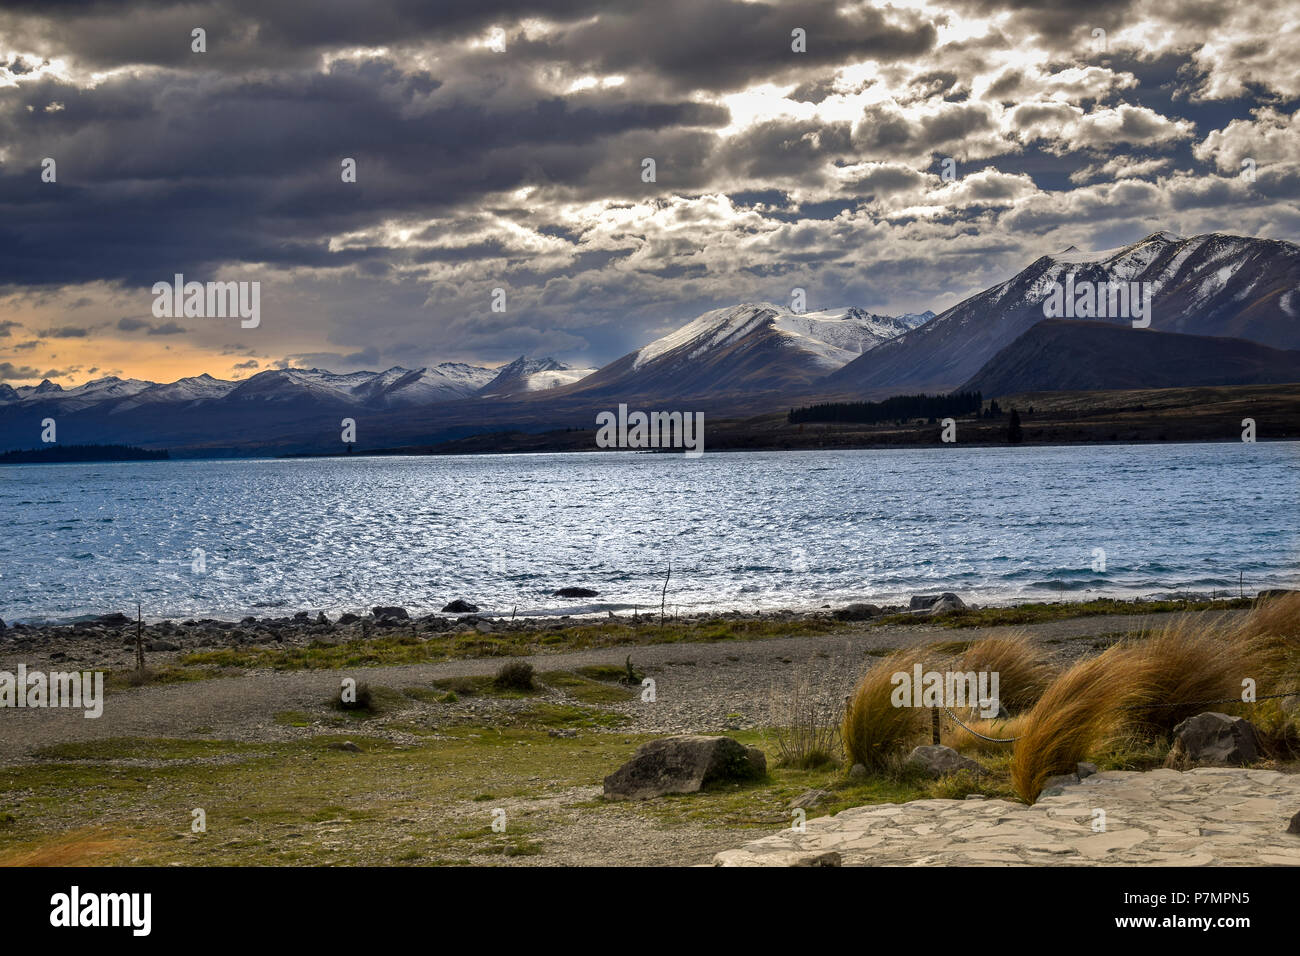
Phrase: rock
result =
(936, 760)
(1215, 740)
(1083, 769)
(858, 772)
(857, 612)
(947, 602)
(575, 592)
(349, 618)
(936, 603)
(2, 624)
(460, 607)
(1055, 785)
(1272, 593)
(347, 746)
(683, 764)
(302, 616)
(162, 646)
(565, 732)
(395, 613)
(1295, 824)
(116, 619)
(813, 798)
(829, 858)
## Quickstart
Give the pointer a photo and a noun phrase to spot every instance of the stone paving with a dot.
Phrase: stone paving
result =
(1204, 817)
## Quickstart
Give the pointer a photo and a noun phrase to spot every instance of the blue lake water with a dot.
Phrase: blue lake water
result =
(743, 531)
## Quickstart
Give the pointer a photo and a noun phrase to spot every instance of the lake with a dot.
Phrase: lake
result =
(743, 531)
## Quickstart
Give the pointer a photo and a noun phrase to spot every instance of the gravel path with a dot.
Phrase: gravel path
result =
(699, 687)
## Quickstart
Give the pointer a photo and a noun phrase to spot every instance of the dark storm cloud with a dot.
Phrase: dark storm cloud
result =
(224, 170)
(523, 168)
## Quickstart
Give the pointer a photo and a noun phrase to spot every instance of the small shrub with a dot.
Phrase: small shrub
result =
(515, 675)
(365, 699)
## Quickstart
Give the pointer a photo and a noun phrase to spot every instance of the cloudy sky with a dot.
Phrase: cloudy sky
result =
(501, 145)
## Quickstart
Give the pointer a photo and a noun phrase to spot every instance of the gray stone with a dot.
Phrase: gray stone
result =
(162, 646)
(562, 732)
(857, 612)
(936, 760)
(575, 593)
(398, 613)
(858, 772)
(1295, 824)
(683, 764)
(811, 799)
(1215, 739)
(936, 603)
(347, 746)
(1083, 769)
(460, 607)
(1057, 784)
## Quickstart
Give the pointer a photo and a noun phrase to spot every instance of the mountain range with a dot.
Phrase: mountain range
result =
(1224, 311)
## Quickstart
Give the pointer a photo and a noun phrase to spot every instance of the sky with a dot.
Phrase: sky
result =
(894, 157)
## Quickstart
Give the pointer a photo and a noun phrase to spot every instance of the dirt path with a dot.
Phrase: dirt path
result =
(699, 687)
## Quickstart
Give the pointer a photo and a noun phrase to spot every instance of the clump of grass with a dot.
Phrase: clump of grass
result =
(514, 675)
(1080, 711)
(806, 729)
(874, 732)
(1188, 665)
(363, 699)
(1022, 668)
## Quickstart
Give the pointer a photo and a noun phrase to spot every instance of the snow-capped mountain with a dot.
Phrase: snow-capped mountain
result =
(1205, 285)
(748, 347)
(198, 388)
(532, 375)
(83, 396)
(404, 388)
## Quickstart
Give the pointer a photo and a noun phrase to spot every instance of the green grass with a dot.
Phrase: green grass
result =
(409, 649)
(585, 689)
(482, 686)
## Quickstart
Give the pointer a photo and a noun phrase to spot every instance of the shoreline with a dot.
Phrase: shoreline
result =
(392, 633)
(892, 602)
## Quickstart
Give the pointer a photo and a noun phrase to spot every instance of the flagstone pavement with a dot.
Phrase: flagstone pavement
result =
(1204, 817)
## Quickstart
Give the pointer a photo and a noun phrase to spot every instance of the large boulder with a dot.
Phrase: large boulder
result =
(575, 593)
(857, 612)
(936, 760)
(459, 607)
(683, 764)
(391, 613)
(936, 603)
(1214, 739)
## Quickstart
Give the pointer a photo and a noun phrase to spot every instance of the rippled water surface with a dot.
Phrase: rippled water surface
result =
(780, 529)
